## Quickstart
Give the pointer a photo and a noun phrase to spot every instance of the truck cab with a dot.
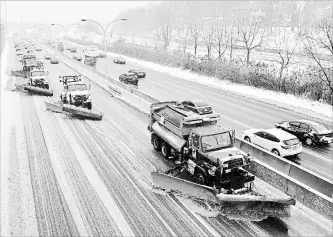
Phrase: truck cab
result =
(38, 78)
(77, 94)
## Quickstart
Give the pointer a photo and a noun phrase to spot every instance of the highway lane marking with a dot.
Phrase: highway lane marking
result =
(59, 171)
(96, 181)
(127, 148)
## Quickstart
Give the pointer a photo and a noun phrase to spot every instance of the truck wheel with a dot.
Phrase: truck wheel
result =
(200, 178)
(89, 105)
(165, 150)
(156, 143)
(308, 141)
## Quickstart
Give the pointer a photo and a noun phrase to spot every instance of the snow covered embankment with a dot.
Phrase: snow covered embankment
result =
(17, 204)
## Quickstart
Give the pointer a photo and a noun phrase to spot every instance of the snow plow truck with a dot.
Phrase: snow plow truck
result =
(206, 150)
(75, 99)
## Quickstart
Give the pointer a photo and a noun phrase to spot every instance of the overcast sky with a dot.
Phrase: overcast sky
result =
(65, 11)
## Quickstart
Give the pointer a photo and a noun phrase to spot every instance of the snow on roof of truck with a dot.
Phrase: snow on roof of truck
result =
(209, 129)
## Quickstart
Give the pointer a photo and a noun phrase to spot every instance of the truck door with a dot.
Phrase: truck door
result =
(195, 145)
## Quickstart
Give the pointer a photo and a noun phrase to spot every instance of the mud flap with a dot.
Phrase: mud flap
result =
(82, 112)
(38, 91)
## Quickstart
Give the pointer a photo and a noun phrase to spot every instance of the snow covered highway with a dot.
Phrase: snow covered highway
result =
(62, 176)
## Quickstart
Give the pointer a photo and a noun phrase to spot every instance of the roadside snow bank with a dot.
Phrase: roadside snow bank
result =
(279, 99)
(271, 97)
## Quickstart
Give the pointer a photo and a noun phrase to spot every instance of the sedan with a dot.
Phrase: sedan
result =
(47, 56)
(38, 49)
(19, 53)
(311, 133)
(119, 60)
(197, 106)
(129, 78)
(139, 73)
(274, 140)
(54, 60)
(78, 58)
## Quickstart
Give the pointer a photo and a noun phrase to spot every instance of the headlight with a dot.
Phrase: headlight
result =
(212, 170)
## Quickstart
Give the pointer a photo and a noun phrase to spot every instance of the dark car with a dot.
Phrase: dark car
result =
(139, 73)
(73, 50)
(129, 78)
(54, 60)
(311, 133)
(47, 56)
(197, 106)
(119, 60)
(78, 58)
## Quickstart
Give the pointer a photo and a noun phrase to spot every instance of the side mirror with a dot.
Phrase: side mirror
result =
(89, 86)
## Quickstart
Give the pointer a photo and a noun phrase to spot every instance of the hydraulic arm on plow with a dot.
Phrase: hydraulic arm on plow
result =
(206, 151)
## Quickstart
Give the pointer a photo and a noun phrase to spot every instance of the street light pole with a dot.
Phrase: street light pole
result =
(104, 32)
(65, 29)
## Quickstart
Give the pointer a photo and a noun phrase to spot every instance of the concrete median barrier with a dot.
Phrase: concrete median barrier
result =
(295, 171)
(302, 193)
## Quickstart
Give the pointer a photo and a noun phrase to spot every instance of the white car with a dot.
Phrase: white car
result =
(274, 140)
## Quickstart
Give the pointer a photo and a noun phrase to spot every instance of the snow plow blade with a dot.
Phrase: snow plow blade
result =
(169, 183)
(54, 107)
(234, 206)
(38, 91)
(20, 73)
(82, 112)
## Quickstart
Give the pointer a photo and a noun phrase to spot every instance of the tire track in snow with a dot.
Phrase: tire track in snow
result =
(52, 212)
(92, 210)
(143, 219)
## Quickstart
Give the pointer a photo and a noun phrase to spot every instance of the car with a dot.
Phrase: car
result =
(66, 80)
(19, 53)
(30, 51)
(38, 49)
(78, 58)
(197, 106)
(54, 60)
(102, 55)
(309, 132)
(40, 62)
(129, 78)
(47, 56)
(73, 50)
(275, 140)
(139, 73)
(119, 60)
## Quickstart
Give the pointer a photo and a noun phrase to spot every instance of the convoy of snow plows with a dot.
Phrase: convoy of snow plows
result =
(186, 133)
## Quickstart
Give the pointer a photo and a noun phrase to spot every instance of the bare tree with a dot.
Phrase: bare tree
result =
(315, 47)
(252, 35)
(164, 25)
(285, 47)
(221, 39)
(208, 37)
(195, 35)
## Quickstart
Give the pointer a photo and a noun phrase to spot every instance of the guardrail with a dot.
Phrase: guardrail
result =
(281, 174)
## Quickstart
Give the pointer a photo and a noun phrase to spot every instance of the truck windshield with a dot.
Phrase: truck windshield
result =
(216, 141)
(37, 73)
(77, 87)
